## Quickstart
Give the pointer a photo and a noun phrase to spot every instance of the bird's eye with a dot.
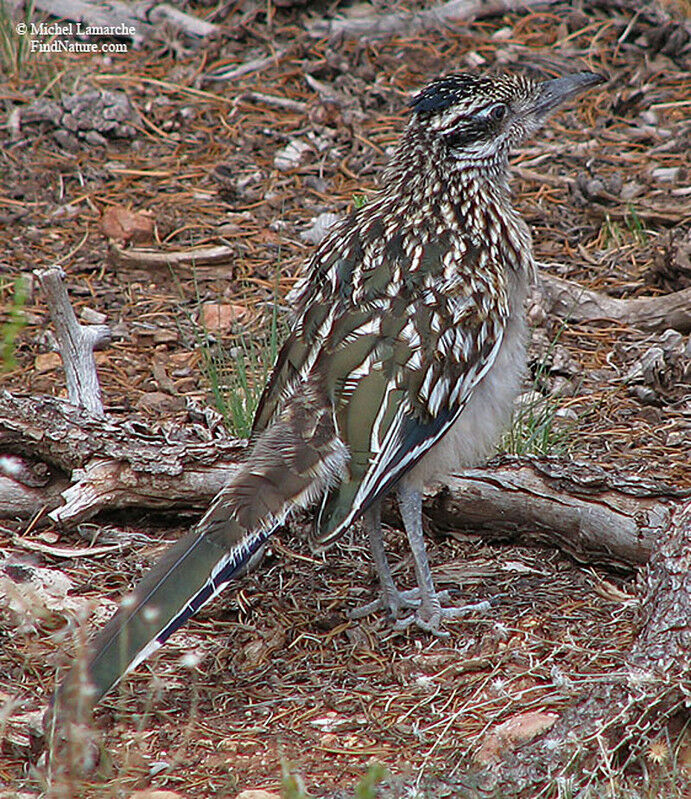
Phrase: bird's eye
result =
(497, 112)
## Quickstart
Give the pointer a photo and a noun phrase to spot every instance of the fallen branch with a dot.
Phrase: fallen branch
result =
(595, 516)
(379, 26)
(113, 465)
(230, 72)
(195, 257)
(141, 17)
(571, 301)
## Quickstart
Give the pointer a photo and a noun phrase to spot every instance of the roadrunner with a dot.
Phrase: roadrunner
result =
(405, 354)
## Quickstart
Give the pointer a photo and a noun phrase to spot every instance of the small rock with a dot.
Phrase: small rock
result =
(217, 317)
(125, 226)
(257, 794)
(516, 730)
(292, 155)
(47, 362)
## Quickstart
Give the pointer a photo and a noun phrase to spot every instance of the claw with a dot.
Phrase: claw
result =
(428, 618)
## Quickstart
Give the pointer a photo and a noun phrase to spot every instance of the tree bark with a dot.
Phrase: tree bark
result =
(618, 721)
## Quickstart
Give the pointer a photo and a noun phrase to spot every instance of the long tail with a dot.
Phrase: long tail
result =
(292, 463)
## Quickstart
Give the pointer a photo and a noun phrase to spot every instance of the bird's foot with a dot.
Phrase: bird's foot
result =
(427, 616)
(390, 602)
(431, 615)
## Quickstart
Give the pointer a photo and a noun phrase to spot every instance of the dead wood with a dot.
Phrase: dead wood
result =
(77, 343)
(571, 301)
(138, 257)
(616, 723)
(142, 17)
(113, 465)
(378, 26)
(595, 516)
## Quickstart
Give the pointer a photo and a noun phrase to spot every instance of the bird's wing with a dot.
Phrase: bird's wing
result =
(402, 391)
(313, 309)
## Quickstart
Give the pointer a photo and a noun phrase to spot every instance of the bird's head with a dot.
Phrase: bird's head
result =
(477, 119)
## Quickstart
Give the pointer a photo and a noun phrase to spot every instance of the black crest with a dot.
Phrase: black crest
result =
(444, 92)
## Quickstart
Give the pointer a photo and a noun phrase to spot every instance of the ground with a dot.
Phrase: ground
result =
(280, 675)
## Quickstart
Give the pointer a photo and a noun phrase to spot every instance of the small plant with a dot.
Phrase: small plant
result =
(13, 325)
(635, 225)
(359, 201)
(366, 788)
(14, 46)
(237, 373)
(536, 428)
(292, 786)
(611, 233)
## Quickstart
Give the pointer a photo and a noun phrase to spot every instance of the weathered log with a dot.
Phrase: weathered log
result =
(594, 515)
(569, 300)
(617, 721)
(377, 26)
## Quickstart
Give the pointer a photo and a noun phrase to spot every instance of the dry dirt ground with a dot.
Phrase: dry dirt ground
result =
(280, 674)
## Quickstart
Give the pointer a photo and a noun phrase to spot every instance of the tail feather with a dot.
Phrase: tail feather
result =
(292, 463)
(193, 572)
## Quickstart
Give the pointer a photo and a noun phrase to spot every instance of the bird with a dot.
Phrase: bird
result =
(405, 352)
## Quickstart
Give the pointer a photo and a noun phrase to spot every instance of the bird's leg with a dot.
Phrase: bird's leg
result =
(425, 601)
(429, 613)
(391, 600)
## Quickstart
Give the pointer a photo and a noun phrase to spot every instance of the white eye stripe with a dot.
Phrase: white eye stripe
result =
(496, 111)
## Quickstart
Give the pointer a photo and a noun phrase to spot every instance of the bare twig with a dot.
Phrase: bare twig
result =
(77, 343)
(383, 25)
(232, 72)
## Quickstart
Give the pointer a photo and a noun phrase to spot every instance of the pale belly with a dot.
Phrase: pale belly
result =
(473, 437)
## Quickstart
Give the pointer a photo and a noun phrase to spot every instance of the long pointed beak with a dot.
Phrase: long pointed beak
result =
(559, 90)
